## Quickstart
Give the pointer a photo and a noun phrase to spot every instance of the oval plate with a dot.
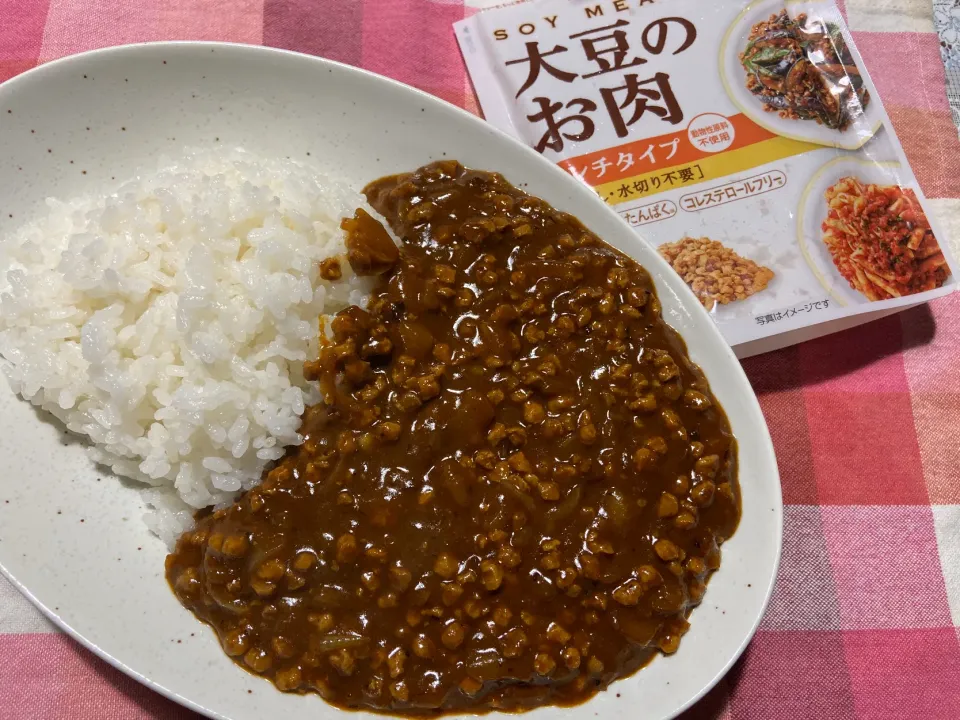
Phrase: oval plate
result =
(72, 538)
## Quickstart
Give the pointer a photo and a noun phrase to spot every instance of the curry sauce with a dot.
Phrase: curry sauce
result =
(515, 490)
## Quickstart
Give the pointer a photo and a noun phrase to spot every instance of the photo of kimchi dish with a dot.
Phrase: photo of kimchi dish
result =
(880, 240)
(803, 69)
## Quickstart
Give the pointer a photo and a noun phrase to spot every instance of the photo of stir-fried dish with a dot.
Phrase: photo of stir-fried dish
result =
(803, 70)
(880, 240)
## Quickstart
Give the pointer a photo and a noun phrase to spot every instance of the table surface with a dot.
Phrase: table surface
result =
(865, 620)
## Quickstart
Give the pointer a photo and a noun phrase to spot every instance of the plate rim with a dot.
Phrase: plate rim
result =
(752, 409)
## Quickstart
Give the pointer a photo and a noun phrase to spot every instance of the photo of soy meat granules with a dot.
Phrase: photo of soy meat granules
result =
(715, 273)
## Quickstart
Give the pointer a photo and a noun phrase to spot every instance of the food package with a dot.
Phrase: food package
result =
(745, 141)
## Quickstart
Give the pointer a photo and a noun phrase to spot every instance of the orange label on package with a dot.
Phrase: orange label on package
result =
(706, 136)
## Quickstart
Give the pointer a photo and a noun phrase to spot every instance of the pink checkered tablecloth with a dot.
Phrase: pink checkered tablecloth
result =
(864, 621)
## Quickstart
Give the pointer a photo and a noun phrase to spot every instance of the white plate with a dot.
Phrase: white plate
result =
(73, 541)
(813, 211)
(734, 78)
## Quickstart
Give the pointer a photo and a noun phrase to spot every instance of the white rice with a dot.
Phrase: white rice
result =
(167, 322)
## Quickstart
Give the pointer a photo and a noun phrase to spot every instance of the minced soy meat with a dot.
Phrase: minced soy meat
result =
(514, 493)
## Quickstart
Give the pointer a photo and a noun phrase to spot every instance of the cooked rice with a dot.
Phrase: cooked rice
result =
(167, 322)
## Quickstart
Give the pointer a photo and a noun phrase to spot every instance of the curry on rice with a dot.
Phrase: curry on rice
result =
(515, 490)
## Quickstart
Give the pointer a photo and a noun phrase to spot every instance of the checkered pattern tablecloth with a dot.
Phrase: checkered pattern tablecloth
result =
(864, 622)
